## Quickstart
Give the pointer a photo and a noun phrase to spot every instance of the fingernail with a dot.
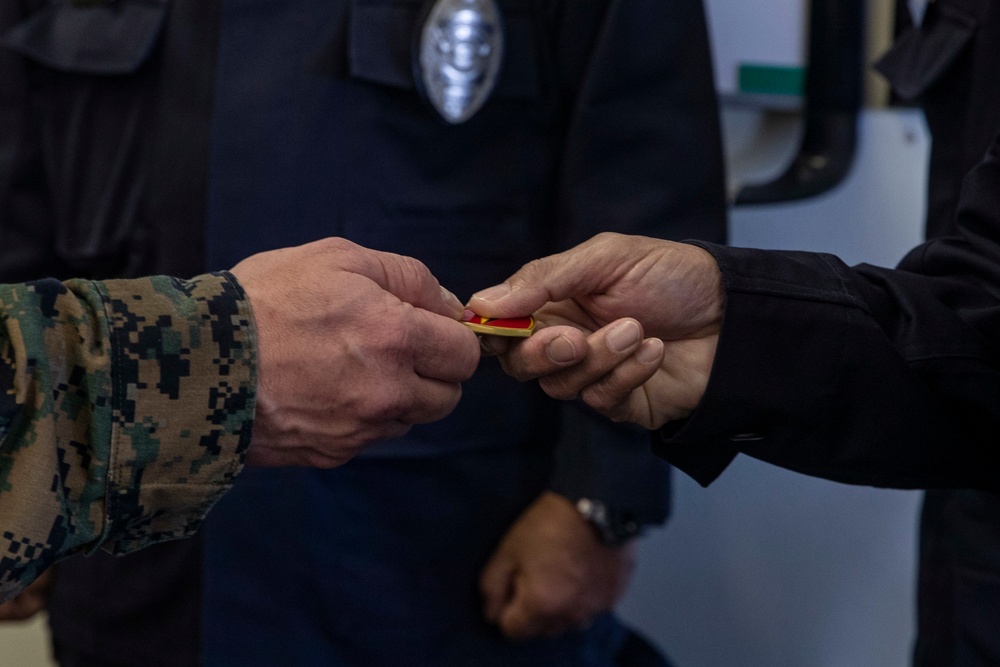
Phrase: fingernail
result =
(623, 336)
(649, 351)
(493, 293)
(561, 350)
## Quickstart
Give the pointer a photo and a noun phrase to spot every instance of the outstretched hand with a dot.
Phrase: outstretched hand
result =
(629, 324)
(354, 346)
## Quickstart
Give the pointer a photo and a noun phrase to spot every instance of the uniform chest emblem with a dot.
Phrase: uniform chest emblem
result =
(459, 53)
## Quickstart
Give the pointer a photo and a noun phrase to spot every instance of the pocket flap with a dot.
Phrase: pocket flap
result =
(103, 38)
(921, 56)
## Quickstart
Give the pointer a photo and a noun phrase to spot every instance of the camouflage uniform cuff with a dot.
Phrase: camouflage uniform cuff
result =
(184, 391)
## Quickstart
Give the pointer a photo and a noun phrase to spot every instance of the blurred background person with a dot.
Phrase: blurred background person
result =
(947, 61)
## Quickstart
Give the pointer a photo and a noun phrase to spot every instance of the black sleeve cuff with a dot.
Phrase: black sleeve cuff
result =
(703, 460)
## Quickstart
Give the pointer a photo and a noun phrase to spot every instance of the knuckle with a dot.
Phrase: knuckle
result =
(558, 389)
(514, 368)
(403, 269)
(404, 341)
(325, 460)
(596, 397)
(396, 347)
(547, 603)
(414, 266)
(440, 408)
(335, 244)
(610, 390)
(608, 405)
(384, 403)
(529, 272)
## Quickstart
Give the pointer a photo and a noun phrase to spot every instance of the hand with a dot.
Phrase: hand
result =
(354, 346)
(594, 303)
(28, 602)
(550, 573)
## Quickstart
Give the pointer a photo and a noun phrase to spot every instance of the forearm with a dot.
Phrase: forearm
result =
(863, 375)
(866, 375)
(127, 411)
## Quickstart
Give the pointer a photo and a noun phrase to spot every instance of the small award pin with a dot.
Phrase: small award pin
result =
(518, 327)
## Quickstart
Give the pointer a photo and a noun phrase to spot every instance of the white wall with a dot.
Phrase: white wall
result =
(25, 644)
(767, 32)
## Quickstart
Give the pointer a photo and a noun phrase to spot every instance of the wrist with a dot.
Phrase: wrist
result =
(712, 293)
(613, 528)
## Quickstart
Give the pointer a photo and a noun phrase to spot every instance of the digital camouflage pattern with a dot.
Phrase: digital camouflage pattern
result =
(126, 410)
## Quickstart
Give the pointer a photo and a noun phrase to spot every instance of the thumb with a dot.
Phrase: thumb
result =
(541, 281)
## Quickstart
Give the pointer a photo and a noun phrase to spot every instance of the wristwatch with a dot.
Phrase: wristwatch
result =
(612, 528)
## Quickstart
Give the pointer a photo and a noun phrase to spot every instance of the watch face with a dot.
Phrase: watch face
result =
(612, 528)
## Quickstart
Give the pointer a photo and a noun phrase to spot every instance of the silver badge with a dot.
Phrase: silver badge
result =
(461, 48)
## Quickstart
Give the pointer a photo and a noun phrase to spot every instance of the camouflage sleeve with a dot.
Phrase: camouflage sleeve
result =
(126, 410)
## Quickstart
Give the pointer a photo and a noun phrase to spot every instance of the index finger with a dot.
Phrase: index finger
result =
(535, 284)
(407, 278)
(579, 271)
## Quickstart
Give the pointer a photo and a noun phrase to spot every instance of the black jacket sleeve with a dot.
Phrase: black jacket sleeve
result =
(864, 375)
